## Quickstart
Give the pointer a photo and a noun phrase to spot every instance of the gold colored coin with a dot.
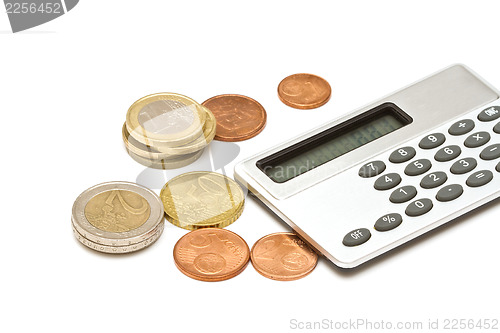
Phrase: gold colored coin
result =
(202, 200)
(167, 164)
(162, 153)
(117, 211)
(165, 120)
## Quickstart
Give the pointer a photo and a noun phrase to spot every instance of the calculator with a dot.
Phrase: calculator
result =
(361, 185)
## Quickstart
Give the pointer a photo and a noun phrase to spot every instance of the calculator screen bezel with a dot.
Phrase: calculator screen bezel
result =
(355, 123)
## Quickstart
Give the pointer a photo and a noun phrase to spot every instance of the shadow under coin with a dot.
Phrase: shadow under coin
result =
(215, 157)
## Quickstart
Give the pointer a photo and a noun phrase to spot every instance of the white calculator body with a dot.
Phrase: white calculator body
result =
(370, 181)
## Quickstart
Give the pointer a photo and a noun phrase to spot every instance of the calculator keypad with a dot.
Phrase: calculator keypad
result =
(434, 180)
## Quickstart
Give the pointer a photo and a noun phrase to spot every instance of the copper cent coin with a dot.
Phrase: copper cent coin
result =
(238, 117)
(283, 256)
(211, 254)
(304, 91)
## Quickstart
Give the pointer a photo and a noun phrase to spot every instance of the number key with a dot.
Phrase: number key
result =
(419, 207)
(418, 167)
(463, 165)
(447, 153)
(387, 181)
(434, 179)
(402, 155)
(432, 141)
(403, 194)
(372, 169)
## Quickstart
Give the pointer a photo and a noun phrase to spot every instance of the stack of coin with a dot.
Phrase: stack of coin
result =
(117, 217)
(167, 131)
(202, 199)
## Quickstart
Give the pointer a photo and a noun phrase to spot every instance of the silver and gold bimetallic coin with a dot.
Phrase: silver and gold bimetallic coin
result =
(163, 127)
(202, 200)
(117, 217)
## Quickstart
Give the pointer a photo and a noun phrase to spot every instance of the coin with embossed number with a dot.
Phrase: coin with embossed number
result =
(202, 199)
(117, 215)
(238, 117)
(211, 254)
(283, 256)
(304, 91)
(165, 120)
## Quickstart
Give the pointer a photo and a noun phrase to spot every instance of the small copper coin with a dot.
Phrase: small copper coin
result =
(283, 256)
(211, 254)
(238, 117)
(304, 91)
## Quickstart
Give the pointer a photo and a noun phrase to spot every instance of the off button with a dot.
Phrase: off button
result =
(357, 237)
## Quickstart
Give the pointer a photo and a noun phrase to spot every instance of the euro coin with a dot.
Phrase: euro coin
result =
(283, 257)
(117, 214)
(238, 117)
(122, 248)
(211, 254)
(158, 153)
(304, 91)
(202, 199)
(165, 120)
(173, 162)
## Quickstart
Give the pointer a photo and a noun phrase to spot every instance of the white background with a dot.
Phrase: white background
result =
(65, 88)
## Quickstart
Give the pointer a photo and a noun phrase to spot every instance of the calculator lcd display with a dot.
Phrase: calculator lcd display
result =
(333, 142)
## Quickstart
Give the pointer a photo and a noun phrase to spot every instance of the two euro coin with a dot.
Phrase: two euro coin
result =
(117, 217)
(167, 130)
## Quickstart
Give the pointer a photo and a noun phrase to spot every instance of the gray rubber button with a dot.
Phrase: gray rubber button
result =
(449, 192)
(387, 181)
(371, 169)
(498, 167)
(496, 129)
(448, 153)
(489, 114)
(403, 194)
(432, 141)
(419, 207)
(356, 237)
(462, 127)
(491, 152)
(479, 178)
(434, 179)
(402, 155)
(463, 165)
(388, 222)
(418, 167)
(477, 139)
